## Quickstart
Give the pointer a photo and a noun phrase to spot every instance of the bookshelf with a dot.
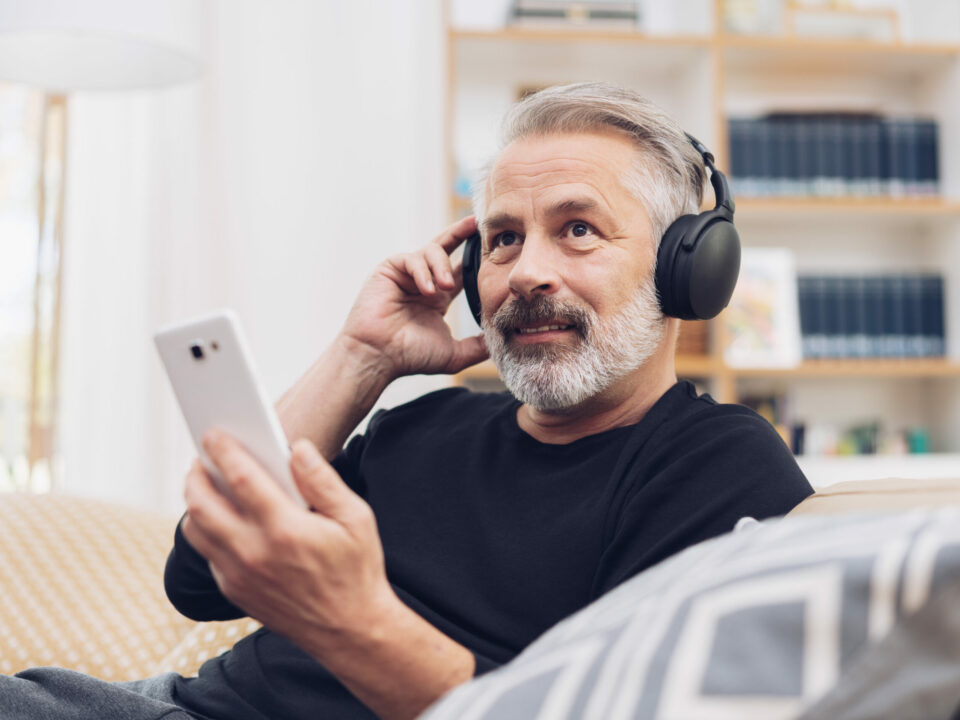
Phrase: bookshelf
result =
(705, 78)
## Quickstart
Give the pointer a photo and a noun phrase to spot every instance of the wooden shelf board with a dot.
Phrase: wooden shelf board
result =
(787, 55)
(770, 44)
(484, 371)
(873, 367)
(585, 35)
(779, 43)
(697, 366)
(904, 206)
(823, 471)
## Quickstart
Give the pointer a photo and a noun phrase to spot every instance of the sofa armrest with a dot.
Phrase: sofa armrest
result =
(81, 587)
(886, 495)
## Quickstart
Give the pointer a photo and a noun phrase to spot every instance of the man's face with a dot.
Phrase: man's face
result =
(566, 278)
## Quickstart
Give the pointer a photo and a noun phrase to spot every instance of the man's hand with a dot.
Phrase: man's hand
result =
(395, 328)
(318, 578)
(399, 313)
(319, 574)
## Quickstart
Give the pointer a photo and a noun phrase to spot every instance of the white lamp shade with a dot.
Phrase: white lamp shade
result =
(63, 45)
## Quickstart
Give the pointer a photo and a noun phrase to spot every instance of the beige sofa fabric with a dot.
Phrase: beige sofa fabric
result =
(81, 587)
(887, 495)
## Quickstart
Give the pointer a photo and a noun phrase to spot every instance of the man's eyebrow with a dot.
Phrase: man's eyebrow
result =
(573, 206)
(499, 220)
(564, 207)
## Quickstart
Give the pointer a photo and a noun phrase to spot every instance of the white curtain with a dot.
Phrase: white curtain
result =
(311, 149)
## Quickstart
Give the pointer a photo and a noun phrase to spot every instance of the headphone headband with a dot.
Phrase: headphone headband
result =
(721, 189)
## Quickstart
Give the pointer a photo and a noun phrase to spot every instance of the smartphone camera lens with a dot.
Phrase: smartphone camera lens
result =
(196, 351)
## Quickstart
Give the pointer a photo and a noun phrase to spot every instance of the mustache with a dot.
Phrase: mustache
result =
(541, 310)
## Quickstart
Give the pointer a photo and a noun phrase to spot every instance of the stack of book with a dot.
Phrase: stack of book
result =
(871, 315)
(833, 154)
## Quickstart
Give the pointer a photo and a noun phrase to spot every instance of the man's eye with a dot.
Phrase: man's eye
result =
(506, 239)
(579, 230)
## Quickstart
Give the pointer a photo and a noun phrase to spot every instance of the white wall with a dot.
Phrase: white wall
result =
(311, 149)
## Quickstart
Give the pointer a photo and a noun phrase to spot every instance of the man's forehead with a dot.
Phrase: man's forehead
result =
(544, 155)
(555, 167)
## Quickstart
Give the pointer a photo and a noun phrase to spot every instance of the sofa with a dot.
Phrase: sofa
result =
(81, 587)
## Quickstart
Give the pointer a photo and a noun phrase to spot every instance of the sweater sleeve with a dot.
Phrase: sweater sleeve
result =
(190, 586)
(725, 467)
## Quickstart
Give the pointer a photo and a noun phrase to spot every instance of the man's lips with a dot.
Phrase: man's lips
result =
(553, 327)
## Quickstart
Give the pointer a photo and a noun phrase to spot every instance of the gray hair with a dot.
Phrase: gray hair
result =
(669, 175)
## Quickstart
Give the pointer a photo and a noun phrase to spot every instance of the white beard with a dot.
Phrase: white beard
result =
(558, 377)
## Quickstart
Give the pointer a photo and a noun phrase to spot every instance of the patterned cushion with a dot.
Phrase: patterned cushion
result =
(826, 618)
(81, 587)
(204, 641)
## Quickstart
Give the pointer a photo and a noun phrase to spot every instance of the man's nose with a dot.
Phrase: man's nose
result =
(535, 270)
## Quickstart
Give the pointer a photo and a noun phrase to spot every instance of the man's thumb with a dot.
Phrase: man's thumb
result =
(469, 351)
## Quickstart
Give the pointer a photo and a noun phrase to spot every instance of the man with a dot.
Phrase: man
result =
(460, 526)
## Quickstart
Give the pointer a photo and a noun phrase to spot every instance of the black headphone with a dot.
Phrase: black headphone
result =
(697, 264)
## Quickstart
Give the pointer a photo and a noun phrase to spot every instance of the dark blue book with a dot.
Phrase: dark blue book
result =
(911, 157)
(857, 325)
(834, 327)
(806, 149)
(894, 149)
(928, 175)
(765, 167)
(934, 339)
(818, 316)
(894, 321)
(806, 303)
(821, 132)
(737, 133)
(913, 315)
(873, 156)
(847, 160)
(778, 155)
(834, 172)
(793, 183)
(873, 287)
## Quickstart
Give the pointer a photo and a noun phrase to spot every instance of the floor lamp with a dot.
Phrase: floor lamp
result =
(66, 46)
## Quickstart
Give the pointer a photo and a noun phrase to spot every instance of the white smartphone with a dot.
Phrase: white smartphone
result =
(212, 374)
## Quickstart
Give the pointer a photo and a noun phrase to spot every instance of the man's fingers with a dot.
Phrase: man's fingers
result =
(415, 265)
(319, 483)
(450, 238)
(208, 511)
(456, 267)
(439, 263)
(255, 492)
(202, 541)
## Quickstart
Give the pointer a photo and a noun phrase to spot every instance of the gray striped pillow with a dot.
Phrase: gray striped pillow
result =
(825, 618)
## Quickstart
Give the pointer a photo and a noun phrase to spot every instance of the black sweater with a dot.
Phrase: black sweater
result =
(493, 537)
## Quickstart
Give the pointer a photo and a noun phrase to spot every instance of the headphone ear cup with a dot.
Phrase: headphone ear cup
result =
(667, 286)
(714, 267)
(470, 268)
(697, 266)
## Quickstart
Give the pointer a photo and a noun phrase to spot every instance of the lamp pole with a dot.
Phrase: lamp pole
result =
(45, 350)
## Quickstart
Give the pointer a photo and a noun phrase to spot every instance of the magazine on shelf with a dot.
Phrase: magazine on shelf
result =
(762, 322)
